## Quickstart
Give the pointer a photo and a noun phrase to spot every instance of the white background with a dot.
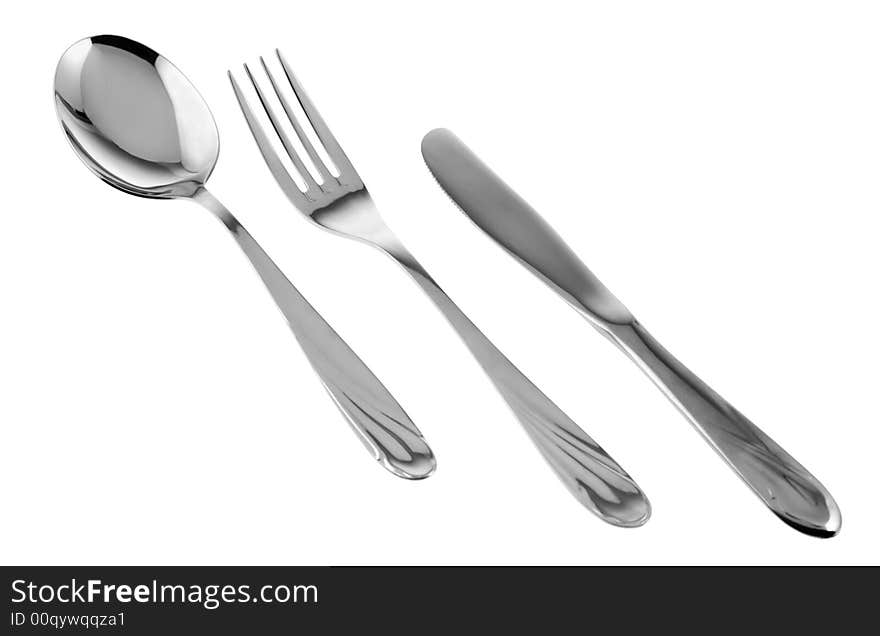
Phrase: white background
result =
(715, 164)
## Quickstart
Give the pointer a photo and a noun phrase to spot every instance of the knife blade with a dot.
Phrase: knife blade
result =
(516, 226)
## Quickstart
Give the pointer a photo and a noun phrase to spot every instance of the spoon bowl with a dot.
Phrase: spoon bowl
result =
(134, 118)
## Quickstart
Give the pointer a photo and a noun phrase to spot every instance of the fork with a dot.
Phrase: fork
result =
(340, 203)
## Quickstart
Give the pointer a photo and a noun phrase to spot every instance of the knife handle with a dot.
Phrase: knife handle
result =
(589, 473)
(380, 422)
(785, 486)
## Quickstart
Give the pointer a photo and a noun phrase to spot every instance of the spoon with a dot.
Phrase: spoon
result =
(138, 123)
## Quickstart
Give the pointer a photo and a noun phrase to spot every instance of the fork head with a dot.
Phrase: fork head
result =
(324, 201)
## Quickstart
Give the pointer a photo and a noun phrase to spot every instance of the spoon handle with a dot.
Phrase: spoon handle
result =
(372, 411)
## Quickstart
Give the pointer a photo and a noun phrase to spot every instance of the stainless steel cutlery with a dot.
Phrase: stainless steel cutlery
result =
(141, 127)
(138, 124)
(785, 486)
(340, 202)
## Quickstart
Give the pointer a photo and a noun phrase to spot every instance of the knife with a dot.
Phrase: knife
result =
(786, 487)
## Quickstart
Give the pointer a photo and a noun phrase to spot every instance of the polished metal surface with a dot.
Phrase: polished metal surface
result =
(785, 486)
(138, 123)
(339, 202)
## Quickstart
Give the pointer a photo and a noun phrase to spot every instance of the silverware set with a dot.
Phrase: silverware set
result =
(138, 123)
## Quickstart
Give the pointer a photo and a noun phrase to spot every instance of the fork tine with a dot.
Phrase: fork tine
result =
(311, 184)
(288, 185)
(326, 175)
(347, 173)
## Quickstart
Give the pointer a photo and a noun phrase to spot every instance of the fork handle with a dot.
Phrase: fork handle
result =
(589, 473)
(785, 486)
(372, 411)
